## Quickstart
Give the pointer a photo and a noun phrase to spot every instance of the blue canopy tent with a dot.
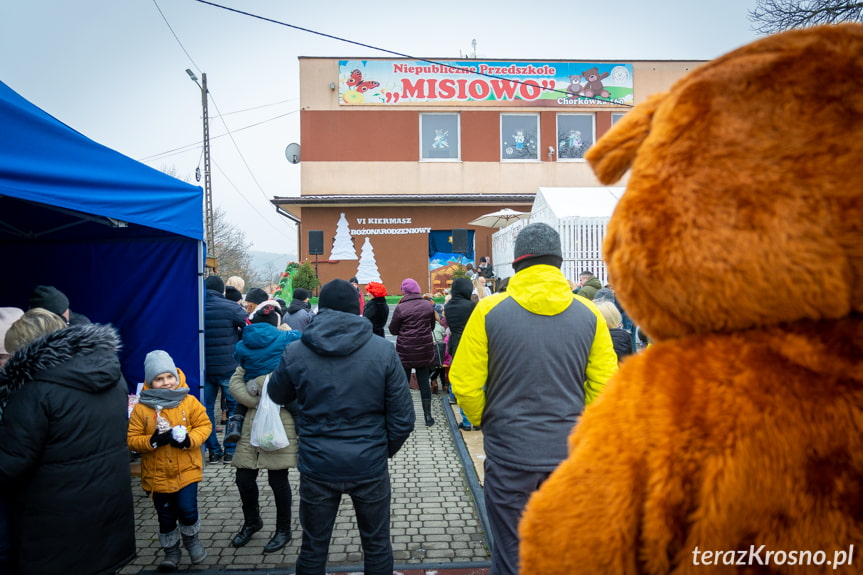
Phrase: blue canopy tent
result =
(123, 241)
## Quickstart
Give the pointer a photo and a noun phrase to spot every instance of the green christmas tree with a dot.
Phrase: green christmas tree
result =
(305, 277)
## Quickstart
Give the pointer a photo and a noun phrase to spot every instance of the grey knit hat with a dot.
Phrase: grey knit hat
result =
(537, 240)
(156, 363)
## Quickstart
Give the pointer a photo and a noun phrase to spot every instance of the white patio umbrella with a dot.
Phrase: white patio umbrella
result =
(499, 219)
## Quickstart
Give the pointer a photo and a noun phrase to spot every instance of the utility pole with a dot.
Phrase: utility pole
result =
(208, 189)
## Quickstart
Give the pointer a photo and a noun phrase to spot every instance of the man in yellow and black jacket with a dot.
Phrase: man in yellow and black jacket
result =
(529, 361)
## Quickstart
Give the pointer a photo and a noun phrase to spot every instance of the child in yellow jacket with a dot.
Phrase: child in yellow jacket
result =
(168, 427)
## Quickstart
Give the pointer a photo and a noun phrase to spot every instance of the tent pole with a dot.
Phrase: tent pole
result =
(201, 295)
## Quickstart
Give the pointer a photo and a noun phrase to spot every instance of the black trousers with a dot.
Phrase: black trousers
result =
(247, 485)
(422, 380)
(319, 505)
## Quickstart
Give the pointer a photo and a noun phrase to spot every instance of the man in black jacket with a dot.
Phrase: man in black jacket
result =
(348, 426)
(223, 325)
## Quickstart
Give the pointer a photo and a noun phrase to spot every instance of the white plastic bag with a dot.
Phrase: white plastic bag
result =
(268, 433)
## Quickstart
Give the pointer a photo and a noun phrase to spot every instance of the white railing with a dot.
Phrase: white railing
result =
(581, 243)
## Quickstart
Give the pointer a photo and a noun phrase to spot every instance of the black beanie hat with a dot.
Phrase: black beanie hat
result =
(257, 296)
(537, 241)
(233, 293)
(50, 298)
(215, 283)
(301, 294)
(340, 296)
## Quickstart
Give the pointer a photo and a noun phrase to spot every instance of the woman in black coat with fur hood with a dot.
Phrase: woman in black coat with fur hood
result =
(64, 462)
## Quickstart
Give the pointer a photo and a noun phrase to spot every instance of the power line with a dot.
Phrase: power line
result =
(259, 107)
(189, 56)
(188, 147)
(239, 152)
(394, 53)
(221, 118)
(251, 205)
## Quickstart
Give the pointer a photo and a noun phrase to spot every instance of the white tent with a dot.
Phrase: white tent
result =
(559, 203)
(580, 215)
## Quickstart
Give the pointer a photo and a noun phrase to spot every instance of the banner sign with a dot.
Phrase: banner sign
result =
(478, 83)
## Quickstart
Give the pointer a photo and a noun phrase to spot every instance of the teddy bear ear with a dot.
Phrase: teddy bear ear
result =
(614, 153)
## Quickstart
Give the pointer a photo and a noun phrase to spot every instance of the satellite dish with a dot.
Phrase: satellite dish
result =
(292, 153)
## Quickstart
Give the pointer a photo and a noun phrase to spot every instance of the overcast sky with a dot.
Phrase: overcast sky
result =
(115, 69)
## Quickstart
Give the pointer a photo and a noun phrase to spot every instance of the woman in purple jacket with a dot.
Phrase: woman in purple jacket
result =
(413, 321)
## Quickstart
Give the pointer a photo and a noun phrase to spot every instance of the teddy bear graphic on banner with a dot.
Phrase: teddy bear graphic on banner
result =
(593, 86)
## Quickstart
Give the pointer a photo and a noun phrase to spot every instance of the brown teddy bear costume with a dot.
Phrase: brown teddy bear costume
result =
(742, 425)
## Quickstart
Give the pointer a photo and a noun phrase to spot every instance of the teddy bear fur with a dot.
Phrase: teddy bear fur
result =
(738, 247)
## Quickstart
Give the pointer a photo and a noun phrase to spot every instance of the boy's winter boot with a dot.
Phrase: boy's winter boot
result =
(427, 412)
(252, 523)
(196, 551)
(234, 429)
(170, 542)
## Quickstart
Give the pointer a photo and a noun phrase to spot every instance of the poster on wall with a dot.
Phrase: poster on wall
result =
(475, 82)
(443, 261)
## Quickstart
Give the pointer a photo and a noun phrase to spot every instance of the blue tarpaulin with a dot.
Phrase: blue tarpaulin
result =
(123, 241)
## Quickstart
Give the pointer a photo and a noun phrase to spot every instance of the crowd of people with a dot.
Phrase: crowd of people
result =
(481, 346)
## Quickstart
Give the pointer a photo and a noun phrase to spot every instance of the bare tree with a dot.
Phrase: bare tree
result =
(772, 16)
(269, 273)
(232, 250)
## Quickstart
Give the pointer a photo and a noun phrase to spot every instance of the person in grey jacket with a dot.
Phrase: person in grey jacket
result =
(299, 313)
(347, 426)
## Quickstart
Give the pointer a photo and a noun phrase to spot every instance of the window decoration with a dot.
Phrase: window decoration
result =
(439, 136)
(575, 135)
(519, 136)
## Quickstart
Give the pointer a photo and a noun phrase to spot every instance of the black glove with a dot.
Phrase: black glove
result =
(185, 444)
(160, 439)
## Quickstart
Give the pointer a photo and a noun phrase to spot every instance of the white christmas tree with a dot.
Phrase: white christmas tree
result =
(367, 270)
(343, 244)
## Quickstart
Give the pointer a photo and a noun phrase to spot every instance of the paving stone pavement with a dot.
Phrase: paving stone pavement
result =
(435, 519)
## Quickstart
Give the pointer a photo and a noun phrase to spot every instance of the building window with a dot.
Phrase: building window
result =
(519, 136)
(616, 116)
(575, 135)
(439, 136)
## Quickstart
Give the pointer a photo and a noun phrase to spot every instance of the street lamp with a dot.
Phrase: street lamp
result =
(208, 190)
